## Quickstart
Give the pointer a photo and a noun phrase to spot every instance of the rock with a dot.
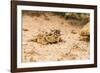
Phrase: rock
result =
(73, 32)
(84, 38)
(85, 33)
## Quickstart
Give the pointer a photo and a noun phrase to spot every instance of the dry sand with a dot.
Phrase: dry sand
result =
(71, 49)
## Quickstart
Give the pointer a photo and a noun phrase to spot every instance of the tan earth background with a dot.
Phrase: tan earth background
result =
(52, 36)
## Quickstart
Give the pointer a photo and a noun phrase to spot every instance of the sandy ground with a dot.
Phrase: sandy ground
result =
(71, 49)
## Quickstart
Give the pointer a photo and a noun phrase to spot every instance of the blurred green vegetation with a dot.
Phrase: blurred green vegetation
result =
(83, 17)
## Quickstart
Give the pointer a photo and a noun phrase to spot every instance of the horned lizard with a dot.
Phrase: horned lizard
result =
(48, 37)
